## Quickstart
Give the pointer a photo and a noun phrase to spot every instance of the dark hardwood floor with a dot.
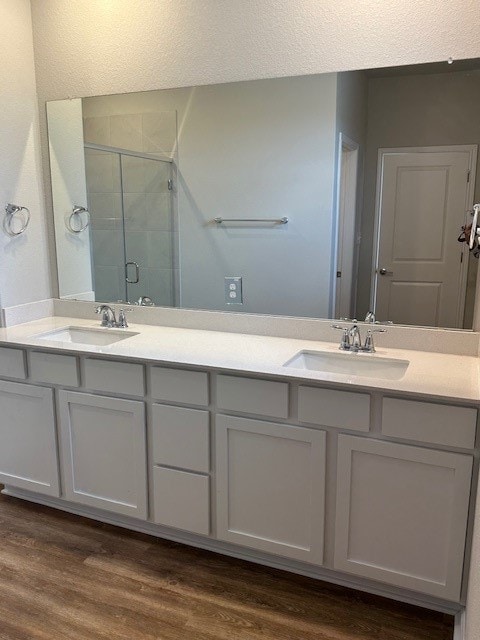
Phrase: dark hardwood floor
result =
(66, 577)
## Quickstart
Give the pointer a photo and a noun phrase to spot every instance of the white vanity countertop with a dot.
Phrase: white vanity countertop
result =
(445, 376)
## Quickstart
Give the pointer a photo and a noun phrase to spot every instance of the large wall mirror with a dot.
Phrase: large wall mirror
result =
(318, 196)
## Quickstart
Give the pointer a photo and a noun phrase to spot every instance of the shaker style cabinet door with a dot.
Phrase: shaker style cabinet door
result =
(103, 445)
(402, 515)
(28, 442)
(271, 487)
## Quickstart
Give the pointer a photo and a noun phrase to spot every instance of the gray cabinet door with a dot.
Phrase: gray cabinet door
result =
(103, 444)
(270, 482)
(402, 514)
(28, 442)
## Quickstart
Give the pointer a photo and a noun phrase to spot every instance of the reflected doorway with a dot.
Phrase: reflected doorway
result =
(423, 198)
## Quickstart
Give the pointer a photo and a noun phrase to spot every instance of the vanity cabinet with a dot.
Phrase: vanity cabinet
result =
(271, 487)
(401, 514)
(103, 444)
(250, 466)
(28, 443)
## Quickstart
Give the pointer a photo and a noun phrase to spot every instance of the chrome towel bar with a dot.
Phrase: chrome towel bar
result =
(283, 220)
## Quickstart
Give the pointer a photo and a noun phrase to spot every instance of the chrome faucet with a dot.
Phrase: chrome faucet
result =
(371, 319)
(145, 301)
(108, 315)
(355, 338)
(352, 339)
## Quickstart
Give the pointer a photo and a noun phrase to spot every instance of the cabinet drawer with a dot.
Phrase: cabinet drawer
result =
(329, 408)
(178, 385)
(114, 377)
(181, 437)
(53, 368)
(261, 397)
(12, 363)
(181, 500)
(428, 422)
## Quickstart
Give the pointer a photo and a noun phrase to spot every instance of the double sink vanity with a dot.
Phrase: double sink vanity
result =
(358, 468)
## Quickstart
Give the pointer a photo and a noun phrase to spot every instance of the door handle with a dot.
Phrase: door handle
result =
(137, 272)
(385, 272)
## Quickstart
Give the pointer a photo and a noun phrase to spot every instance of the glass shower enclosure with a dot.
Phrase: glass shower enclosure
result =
(133, 235)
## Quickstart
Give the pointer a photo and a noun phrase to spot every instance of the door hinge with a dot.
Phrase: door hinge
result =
(339, 274)
(461, 258)
(170, 185)
(468, 175)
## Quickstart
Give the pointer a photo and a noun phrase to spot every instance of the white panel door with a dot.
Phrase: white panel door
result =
(28, 442)
(271, 487)
(103, 443)
(402, 514)
(422, 202)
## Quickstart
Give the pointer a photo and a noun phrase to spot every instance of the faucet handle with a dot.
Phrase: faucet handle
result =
(369, 345)
(122, 318)
(345, 341)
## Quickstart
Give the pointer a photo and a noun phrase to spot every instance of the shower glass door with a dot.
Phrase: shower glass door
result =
(105, 204)
(148, 229)
(132, 226)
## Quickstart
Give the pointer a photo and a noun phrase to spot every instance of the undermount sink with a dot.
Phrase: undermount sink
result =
(350, 363)
(87, 335)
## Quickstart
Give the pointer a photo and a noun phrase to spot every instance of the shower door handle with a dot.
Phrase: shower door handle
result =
(137, 272)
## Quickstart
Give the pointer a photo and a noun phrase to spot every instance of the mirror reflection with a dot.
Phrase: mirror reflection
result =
(318, 196)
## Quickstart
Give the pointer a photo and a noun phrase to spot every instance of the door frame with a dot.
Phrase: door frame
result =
(346, 218)
(469, 200)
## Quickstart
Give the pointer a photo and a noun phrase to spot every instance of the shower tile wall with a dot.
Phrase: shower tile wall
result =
(151, 236)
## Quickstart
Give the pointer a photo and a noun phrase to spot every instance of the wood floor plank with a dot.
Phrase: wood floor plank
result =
(67, 577)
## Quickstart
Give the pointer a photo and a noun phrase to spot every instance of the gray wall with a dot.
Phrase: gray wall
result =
(352, 96)
(259, 149)
(419, 110)
(351, 120)
(255, 149)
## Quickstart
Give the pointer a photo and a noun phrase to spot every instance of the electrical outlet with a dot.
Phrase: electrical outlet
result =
(233, 290)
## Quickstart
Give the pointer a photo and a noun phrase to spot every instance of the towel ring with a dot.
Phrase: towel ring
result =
(76, 215)
(11, 211)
